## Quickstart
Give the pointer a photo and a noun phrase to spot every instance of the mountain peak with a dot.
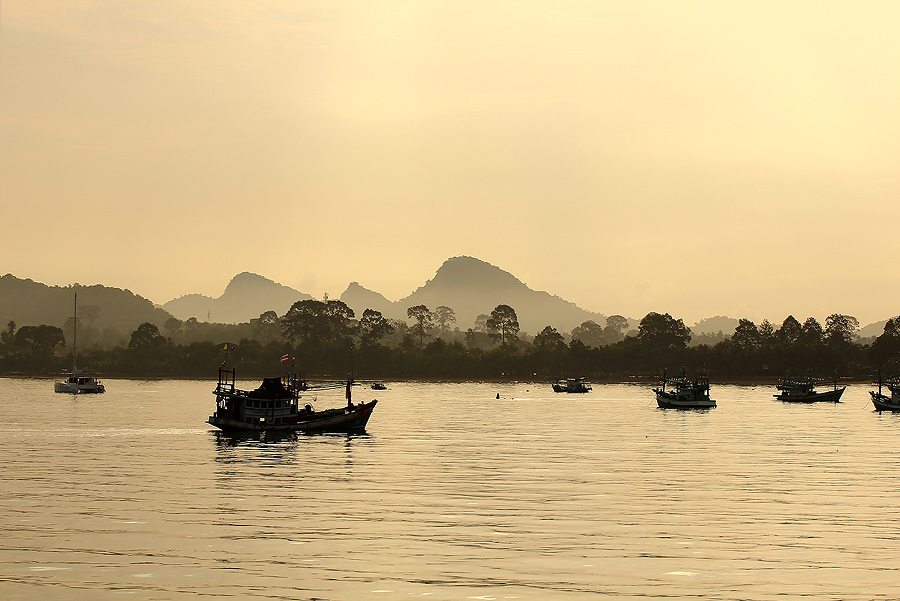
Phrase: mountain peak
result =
(245, 279)
(246, 296)
(469, 272)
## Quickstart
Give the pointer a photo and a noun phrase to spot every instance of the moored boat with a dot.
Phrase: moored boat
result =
(378, 386)
(884, 402)
(275, 406)
(572, 385)
(804, 391)
(74, 383)
(686, 393)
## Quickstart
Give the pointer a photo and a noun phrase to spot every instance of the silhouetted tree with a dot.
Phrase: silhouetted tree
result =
(373, 326)
(663, 330)
(422, 316)
(766, 332)
(476, 339)
(886, 348)
(173, 326)
(146, 337)
(267, 327)
(8, 337)
(317, 323)
(790, 331)
(340, 325)
(840, 329)
(481, 323)
(549, 340)
(812, 332)
(304, 322)
(443, 317)
(39, 341)
(504, 324)
(590, 333)
(616, 326)
(746, 334)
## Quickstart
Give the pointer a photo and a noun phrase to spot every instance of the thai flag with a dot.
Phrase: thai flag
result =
(284, 358)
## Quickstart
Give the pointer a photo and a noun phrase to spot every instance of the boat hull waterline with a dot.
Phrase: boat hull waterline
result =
(339, 421)
(79, 385)
(829, 396)
(275, 407)
(667, 400)
(884, 403)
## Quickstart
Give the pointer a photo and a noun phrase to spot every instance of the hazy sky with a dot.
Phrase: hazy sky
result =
(697, 158)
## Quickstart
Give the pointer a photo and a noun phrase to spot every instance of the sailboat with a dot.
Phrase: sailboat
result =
(75, 383)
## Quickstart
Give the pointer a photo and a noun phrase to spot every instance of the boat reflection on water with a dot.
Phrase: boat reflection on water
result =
(234, 438)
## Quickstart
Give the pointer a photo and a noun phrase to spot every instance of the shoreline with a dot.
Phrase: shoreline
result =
(634, 380)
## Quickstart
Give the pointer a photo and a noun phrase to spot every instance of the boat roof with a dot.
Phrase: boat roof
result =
(272, 386)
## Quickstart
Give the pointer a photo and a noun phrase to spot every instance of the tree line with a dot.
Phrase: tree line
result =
(325, 338)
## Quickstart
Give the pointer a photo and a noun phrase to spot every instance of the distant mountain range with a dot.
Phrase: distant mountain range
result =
(27, 302)
(472, 287)
(246, 297)
(469, 286)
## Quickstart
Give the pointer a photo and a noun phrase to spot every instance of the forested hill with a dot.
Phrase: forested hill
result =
(246, 297)
(472, 287)
(100, 308)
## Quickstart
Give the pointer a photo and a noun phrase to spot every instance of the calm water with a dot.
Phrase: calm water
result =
(452, 494)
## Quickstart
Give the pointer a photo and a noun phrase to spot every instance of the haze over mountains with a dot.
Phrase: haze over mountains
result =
(247, 296)
(472, 287)
(469, 286)
(117, 311)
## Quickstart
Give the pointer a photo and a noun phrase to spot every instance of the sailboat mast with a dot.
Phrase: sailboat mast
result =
(74, 333)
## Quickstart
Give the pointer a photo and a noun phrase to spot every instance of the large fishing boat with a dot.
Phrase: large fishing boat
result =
(275, 406)
(686, 393)
(571, 385)
(804, 391)
(75, 383)
(884, 402)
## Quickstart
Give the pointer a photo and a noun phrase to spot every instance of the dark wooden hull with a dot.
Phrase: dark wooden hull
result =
(830, 396)
(667, 400)
(331, 421)
(884, 403)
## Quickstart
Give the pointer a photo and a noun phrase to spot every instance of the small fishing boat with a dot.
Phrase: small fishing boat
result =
(884, 402)
(378, 386)
(804, 391)
(571, 385)
(74, 383)
(275, 406)
(686, 393)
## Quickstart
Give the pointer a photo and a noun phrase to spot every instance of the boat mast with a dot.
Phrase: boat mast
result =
(74, 334)
(350, 378)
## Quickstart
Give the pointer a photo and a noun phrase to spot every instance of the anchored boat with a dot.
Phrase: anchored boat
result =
(685, 393)
(804, 391)
(275, 406)
(884, 402)
(571, 385)
(73, 382)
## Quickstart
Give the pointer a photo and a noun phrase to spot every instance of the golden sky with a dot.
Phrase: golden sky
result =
(693, 157)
